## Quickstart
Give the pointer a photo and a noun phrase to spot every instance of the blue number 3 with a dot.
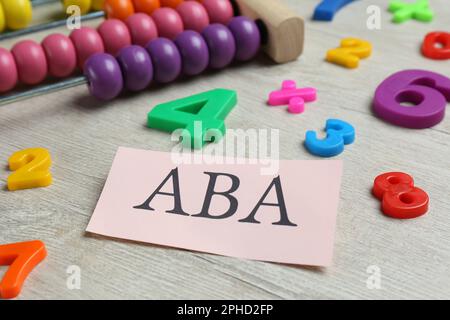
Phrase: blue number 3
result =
(339, 133)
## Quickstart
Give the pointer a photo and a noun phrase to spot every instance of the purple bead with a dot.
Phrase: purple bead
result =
(194, 52)
(247, 37)
(136, 66)
(104, 76)
(222, 47)
(166, 59)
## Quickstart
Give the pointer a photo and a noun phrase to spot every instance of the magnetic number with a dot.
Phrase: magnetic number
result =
(201, 116)
(350, 52)
(399, 197)
(427, 91)
(31, 169)
(437, 46)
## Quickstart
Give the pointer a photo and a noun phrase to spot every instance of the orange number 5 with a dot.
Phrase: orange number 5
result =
(31, 169)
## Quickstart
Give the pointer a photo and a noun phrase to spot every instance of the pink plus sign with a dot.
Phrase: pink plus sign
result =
(292, 96)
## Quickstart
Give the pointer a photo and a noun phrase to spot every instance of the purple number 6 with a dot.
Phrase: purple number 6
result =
(427, 91)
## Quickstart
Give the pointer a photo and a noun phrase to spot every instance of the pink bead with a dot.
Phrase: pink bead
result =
(168, 22)
(61, 55)
(194, 15)
(219, 11)
(30, 61)
(115, 35)
(142, 29)
(8, 71)
(87, 42)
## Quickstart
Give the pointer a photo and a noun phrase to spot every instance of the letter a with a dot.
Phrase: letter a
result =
(177, 209)
(284, 220)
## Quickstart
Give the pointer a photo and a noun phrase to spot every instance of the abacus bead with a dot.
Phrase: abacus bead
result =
(104, 76)
(61, 55)
(2, 18)
(219, 11)
(247, 37)
(222, 47)
(194, 52)
(166, 59)
(168, 22)
(18, 13)
(87, 42)
(171, 3)
(115, 35)
(98, 4)
(146, 6)
(137, 68)
(118, 9)
(84, 5)
(142, 29)
(30, 61)
(8, 71)
(194, 16)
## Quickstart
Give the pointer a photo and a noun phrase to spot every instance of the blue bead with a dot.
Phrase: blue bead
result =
(339, 133)
(326, 10)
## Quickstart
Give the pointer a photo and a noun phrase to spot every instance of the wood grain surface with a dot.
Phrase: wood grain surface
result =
(83, 135)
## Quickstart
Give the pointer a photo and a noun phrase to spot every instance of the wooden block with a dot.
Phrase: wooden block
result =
(284, 27)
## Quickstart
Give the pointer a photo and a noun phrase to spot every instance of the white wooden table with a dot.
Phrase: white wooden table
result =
(83, 135)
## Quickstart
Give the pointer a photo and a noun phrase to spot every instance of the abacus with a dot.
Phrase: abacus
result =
(130, 55)
(19, 12)
(16, 15)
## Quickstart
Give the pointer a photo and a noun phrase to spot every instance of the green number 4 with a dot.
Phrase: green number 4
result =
(201, 116)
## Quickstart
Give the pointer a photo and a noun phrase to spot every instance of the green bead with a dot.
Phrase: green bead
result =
(201, 116)
(419, 10)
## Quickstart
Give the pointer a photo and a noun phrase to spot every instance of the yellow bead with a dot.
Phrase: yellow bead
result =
(18, 13)
(350, 52)
(2, 18)
(31, 169)
(84, 5)
(97, 4)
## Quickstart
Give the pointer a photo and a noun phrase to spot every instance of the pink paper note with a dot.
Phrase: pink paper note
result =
(304, 195)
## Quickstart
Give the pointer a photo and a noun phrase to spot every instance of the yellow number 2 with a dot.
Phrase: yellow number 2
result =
(350, 52)
(31, 169)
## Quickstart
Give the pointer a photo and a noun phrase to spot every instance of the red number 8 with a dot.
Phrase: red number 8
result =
(399, 197)
(437, 45)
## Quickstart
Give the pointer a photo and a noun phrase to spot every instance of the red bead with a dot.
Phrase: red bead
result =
(219, 11)
(30, 61)
(399, 197)
(437, 45)
(8, 71)
(194, 15)
(142, 29)
(61, 55)
(115, 35)
(87, 42)
(168, 22)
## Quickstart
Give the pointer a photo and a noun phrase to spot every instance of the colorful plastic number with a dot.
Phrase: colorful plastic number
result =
(293, 96)
(31, 169)
(339, 133)
(326, 10)
(350, 52)
(399, 197)
(403, 11)
(427, 91)
(202, 116)
(22, 258)
(437, 45)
